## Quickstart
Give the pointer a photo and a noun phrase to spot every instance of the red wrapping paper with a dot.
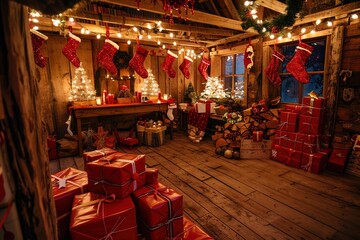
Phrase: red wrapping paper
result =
(309, 124)
(76, 183)
(314, 163)
(151, 175)
(96, 217)
(205, 107)
(311, 143)
(281, 138)
(52, 148)
(312, 111)
(338, 159)
(318, 103)
(296, 141)
(279, 153)
(160, 212)
(257, 136)
(295, 108)
(288, 121)
(193, 232)
(119, 174)
(294, 158)
(94, 155)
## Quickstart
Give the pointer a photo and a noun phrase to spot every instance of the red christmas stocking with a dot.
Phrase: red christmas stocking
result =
(203, 66)
(37, 40)
(296, 66)
(167, 64)
(137, 62)
(248, 57)
(184, 67)
(106, 55)
(271, 71)
(69, 50)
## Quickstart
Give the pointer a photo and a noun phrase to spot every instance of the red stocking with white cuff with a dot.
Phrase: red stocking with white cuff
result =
(184, 67)
(203, 66)
(137, 62)
(271, 71)
(167, 64)
(37, 40)
(69, 50)
(297, 65)
(106, 55)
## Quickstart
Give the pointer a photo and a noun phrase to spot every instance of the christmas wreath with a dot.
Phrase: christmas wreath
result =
(276, 24)
(121, 59)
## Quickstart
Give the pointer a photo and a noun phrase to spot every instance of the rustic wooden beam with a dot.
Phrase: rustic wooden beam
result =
(274, 5)
(232, 50)
(131, 21)
(234, 38)
(296, 37)
(232, 9)
(198, 16)
(344, 9)
(214, 7)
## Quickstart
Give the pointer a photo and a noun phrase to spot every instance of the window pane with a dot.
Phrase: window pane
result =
(228, 84)
(239, 87)
(239, 64)
(289, 90)
(228, 65)
(315, 84)
(317, 58)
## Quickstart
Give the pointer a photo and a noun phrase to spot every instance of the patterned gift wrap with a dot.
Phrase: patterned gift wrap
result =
(160, 212)
(279, 153)
(119, 174)
(314, 163)
(288, 121)
(65, 185)
(320, 102)
(309, 124)
(96, 216)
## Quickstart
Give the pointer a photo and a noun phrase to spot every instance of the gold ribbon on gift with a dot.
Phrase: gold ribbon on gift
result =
(62, 181)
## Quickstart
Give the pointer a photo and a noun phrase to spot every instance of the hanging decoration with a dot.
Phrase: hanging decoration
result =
(249, 17)
(248, 57)
(137, 61)
(38, 39)
(70, 48)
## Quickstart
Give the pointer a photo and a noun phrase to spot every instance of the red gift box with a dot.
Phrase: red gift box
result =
(314, 162)
(294, 158)
(257, 136)
(338, 159)
(312, 111)
(281, 138)
(95, 155)
(320, 102)
(288, 121)
(295, 141)
(96, 216)
(293, 108)
(193, 232)
(160, 212)
(128, 141)
(207, 106)
(311, 143)
(119, 174)
(309, 124)
(151, 175)
(65, 185)
(279, 153)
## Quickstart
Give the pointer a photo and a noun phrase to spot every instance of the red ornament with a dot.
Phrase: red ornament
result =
(274, 30)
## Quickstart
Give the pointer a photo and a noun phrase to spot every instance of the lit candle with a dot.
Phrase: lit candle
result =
(98, 100)
(165, 96)
(110, 98)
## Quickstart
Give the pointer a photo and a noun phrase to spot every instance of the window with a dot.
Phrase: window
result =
(291, 90)
(233, 74)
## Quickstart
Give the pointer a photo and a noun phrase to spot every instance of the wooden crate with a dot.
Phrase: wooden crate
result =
(255, 150)
(353, 166)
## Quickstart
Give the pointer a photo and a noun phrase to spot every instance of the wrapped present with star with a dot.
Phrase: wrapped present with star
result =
(159, 211)
(314, 100)
(119, 174)
(65, 185)
(96, 216)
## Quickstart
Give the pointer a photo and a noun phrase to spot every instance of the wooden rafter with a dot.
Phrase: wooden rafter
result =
(231, 39)
(274, 5)
(198, 16)
(232, 9)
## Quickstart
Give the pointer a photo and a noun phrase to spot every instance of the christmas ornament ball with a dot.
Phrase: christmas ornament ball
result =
(236, 155)
(228, 153)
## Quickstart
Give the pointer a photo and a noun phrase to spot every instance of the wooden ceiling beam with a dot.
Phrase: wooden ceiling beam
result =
(130, 21)
(232, 9)
(198, 16)
(344, 9)
(214, 7)
(274, 5)
(238, 37)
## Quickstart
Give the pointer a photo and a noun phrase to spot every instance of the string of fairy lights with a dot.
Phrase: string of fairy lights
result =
(141, 32)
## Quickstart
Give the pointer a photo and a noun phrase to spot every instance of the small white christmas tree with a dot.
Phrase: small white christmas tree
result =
(214, 88)
(239, 89)
(150, 87)
(82, 88)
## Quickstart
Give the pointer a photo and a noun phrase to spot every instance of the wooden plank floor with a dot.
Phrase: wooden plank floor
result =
(251, 199)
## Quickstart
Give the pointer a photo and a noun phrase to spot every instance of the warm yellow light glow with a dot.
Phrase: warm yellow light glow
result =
(264, 29)
(313, 31)
(329, 23)
(82, 30)
(289, 34)
(149, 36)
(36, 28)
(171, 35)
(163, 46)
(354, 16)
(128, 42)
(149, 26)
(135, 29)
(303, 30)
(280, 37)
(158, 42)
(71, 19)
(119, 34)
(174, 43)
(272, 36)
(318, 21)
(98, 36)
(87, 31)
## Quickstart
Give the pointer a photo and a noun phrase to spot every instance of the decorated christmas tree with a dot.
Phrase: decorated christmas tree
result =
(150, 87)
(82, 88)
(214, 88)
(190, 89)
(239, 89)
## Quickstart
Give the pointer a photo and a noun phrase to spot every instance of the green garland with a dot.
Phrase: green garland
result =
(276, 24)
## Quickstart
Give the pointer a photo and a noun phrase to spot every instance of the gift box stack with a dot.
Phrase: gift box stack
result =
(117, 197)
(151, 133)
(205, 106)
(296, 141)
